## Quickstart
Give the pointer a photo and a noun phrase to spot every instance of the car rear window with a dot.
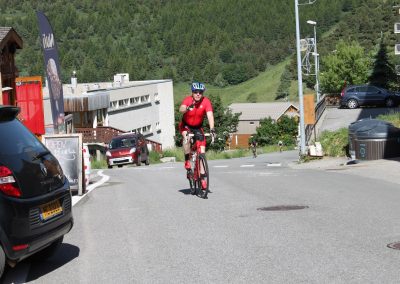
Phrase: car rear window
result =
(17, 139)
(123, 142)
(351, 90)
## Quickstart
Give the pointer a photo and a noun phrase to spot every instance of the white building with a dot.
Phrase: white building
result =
(132, 106)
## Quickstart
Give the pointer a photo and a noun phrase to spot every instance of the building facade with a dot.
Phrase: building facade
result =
(250, 116)
(145, 107)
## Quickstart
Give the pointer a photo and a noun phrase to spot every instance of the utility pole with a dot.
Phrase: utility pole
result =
(316, 58)
(300, 83)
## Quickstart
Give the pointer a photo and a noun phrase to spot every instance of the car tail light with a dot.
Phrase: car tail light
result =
(8, 184)
(20, 247)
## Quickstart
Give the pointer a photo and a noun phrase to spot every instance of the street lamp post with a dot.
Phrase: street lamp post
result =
(316, 59)
(300, 83)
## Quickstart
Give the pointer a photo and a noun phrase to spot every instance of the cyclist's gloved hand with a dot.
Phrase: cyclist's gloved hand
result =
(213, 134)
(189, 108)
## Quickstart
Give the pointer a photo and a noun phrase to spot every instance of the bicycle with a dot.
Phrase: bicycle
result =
(198, 160)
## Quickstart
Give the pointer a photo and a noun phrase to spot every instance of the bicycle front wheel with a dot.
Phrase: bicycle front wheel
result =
(205, 178)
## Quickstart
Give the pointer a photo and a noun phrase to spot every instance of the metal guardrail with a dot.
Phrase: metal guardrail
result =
(319, 110)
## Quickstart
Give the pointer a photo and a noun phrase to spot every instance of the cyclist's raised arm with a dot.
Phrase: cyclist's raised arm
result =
(210, 117)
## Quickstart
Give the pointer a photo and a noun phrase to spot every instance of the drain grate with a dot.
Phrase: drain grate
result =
(283, 208)
(394, 245)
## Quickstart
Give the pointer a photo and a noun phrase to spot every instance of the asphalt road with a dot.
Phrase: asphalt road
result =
(336, 118)
(143, 226)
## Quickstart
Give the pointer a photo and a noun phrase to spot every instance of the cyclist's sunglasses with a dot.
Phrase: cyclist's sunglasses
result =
(197, 92)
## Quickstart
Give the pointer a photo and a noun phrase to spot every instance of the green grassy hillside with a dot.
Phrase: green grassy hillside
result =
(261, 88)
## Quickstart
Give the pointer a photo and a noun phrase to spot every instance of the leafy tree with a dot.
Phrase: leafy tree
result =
(267, 133)
(271, 132)
(348, 63)
(252, 97)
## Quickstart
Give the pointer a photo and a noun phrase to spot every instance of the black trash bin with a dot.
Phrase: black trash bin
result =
(353, 127)
(377, 140)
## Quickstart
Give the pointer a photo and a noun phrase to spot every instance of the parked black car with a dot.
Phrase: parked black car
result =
(363, 95)
(35, 197)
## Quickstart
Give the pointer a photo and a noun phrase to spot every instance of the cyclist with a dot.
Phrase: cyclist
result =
(253, 146)
(194, 109)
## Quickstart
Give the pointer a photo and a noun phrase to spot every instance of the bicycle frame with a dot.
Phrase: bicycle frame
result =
(199, 167)
(195, 151)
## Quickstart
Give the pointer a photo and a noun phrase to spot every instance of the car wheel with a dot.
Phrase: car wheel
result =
(2, 261)
(139, 161)
(389, 102)
(49, 251)
(119, 166)
(352, 103)
(110, 167)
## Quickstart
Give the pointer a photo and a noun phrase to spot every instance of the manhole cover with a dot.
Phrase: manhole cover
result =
(283, 208)
(394, 245)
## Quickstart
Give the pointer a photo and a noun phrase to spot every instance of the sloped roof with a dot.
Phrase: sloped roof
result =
(257, 111)
(8, 34)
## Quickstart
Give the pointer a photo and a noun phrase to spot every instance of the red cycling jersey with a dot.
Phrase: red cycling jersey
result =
(194, 118)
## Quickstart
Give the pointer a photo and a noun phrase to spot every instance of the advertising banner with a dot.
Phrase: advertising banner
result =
(52, 67)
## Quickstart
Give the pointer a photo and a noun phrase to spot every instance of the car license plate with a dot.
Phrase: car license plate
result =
(50, 210)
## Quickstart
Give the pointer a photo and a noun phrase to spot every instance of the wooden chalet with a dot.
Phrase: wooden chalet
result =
(10, 41)
(251, 115)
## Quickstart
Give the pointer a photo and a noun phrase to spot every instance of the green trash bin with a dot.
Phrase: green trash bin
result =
(377, 140)
(353, 127)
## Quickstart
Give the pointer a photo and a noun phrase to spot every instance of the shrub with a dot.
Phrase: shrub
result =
(334, 143)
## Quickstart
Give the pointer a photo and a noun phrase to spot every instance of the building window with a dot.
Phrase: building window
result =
(134, 101)
(156, 98)
(251, 122)
(146, 129)
(114, 104)
(123, 103)
(157, 125)
(144, 99)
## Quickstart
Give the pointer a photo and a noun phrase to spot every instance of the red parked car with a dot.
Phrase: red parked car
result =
(127, 148)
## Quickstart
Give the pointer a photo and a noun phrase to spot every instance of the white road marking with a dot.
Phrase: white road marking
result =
(274, 165)
(247, 166)
(168, 168)
(75, 199)
(221, 166)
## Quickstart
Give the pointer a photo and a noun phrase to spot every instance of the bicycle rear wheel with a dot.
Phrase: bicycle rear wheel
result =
(203, 164)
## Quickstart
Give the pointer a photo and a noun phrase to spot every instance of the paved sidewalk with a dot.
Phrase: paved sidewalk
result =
(387, 170)
(96, 179)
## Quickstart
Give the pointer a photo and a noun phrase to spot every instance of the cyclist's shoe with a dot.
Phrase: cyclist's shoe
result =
(204, 184)
(188, 166)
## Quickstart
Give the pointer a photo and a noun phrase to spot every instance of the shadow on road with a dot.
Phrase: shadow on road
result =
(65, 254)
(371, 112)
(185, 191)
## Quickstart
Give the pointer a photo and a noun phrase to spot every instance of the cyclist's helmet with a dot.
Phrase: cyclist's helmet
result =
(197, 86)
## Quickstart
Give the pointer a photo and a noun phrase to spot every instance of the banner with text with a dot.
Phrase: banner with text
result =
(52, 67)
